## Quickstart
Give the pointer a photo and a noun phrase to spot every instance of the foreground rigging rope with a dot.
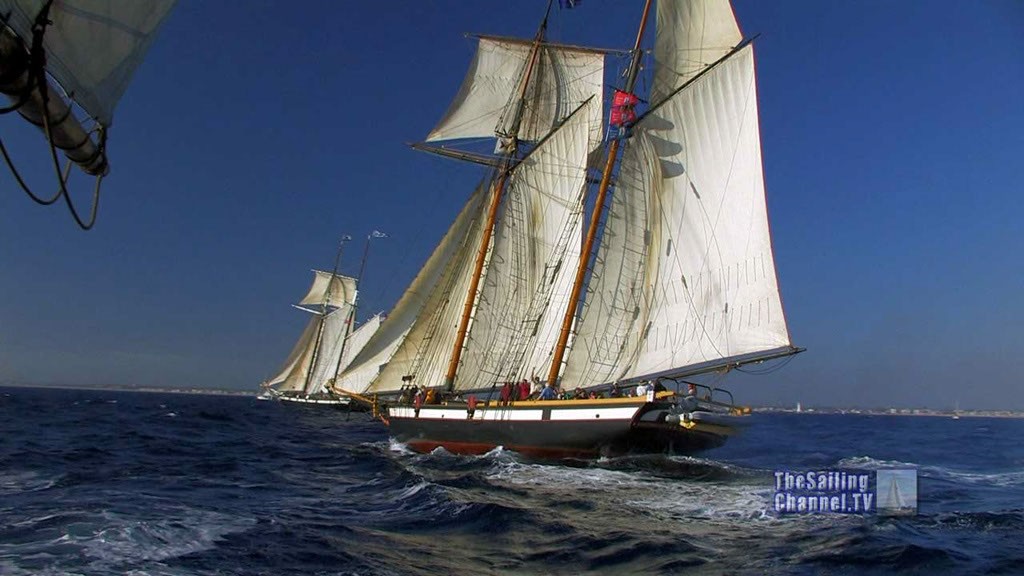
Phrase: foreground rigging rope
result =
(37, 80)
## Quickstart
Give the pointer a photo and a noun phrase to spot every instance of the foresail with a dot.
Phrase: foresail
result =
(534, 257)
(427, 349)
(358, 380)
(392, 350)
(710, 284)
(563, 79)
(92, 46)
(329, 289)
(691, 35)
(292, 376)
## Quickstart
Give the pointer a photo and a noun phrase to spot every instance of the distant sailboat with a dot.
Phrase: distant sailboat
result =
(57, 53)
(895, 502)
(312, 374)
(318, 354)
(681, 282)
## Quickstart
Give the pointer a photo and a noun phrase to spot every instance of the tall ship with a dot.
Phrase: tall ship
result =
(312, 372)
(603, 263)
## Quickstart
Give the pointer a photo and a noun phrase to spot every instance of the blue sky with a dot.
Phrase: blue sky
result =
(254, 135)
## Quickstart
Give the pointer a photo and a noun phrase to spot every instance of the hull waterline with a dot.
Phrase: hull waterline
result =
(558, 429)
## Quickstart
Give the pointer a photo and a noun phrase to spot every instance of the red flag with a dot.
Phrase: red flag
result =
(622, 115)
(622, 98)
(622, 108)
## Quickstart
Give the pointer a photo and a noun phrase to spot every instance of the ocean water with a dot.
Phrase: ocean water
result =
(98, 482)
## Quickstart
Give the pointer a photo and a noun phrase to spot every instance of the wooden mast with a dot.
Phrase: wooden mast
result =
(323, 316)
(492, 212)
(588, 245)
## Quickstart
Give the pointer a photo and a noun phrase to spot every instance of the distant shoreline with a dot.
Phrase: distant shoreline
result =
(897, 412)
(146, 389)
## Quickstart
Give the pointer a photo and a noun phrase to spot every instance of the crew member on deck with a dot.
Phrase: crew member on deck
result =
(548, 393)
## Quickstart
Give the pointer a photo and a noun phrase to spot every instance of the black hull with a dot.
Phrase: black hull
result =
(646, 432)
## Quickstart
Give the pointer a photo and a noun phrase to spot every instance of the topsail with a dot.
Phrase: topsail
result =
(564, 78)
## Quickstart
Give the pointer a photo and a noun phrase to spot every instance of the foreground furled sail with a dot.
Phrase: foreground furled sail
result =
(682, 279)
(58, 53)
(92, 47)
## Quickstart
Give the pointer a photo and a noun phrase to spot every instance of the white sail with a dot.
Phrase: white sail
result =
(301, 372)
(561, 81)
(325, 364)
(292, 376)
(92, 46)
(691, 35)
(357, 380)
(534, 258)
(619, 300)
(709, 286)
(330, 289)
(392, 350)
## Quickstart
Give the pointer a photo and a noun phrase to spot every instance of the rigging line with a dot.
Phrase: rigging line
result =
(23, 97)
(769, 369)
(39, 65)
(25, 187)
(696, 77)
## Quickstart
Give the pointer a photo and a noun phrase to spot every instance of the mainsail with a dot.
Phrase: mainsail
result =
(357, 380)
(685, 275)
(533, 257)
(313, 359)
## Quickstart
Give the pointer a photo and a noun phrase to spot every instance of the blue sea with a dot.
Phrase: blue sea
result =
(103, 482)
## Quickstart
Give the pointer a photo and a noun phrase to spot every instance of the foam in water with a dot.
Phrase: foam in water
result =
(1002, 479)
(118, 539)
(14, 482)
